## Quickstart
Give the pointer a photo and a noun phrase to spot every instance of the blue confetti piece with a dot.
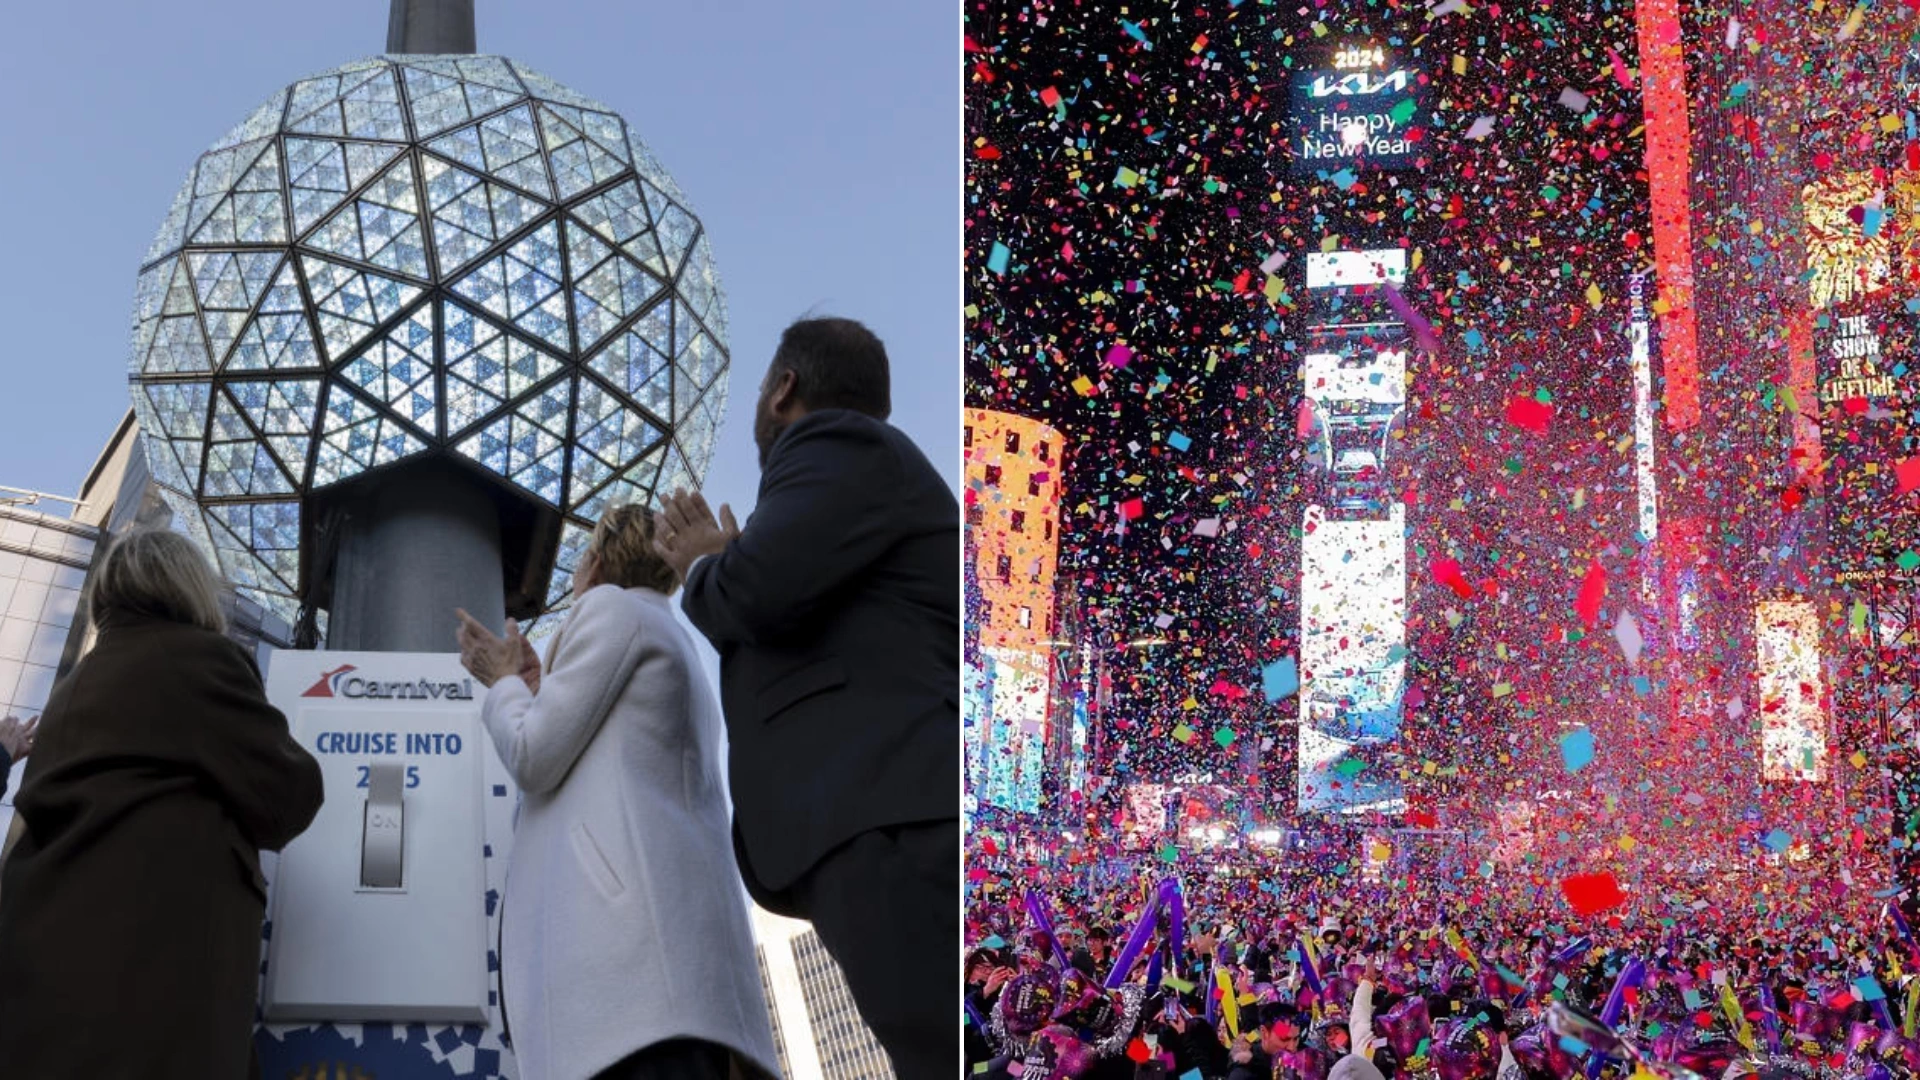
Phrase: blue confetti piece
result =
(997, 260)
(1576, 749)
(1778, 841)
(1475, 341)
(1133, 31)
(1344, 179)
(1869, 988)
(1179, 441)
(1642, 686)
(1280, 679)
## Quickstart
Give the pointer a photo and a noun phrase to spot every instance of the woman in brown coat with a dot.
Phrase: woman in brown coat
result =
(130, 907)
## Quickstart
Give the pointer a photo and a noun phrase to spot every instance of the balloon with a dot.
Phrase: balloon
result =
(1405, 1025)
(1463, 1050)
(1542, 1054)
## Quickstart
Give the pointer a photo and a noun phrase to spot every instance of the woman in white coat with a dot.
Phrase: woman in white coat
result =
(626, 950)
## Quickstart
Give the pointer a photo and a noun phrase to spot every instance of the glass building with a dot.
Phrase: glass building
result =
(43, 565)
(415, 257)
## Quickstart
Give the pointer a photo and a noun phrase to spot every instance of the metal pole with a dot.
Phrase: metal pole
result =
(419, 544)
(416, 27)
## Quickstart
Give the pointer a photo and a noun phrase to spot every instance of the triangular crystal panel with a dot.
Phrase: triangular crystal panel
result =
(244, 468)
(505, 146)
(238, 562)
(186, 518)
(548, 90)
(617, 289)
(229, 284)
(320, 172)
(470, 214)
(278, 338)
(179, 410)
(673, 226)
(356, 437)
(367, 107)
(350, 303)
(486, 366)
(609, 430)
(398, 369)
(633, 486)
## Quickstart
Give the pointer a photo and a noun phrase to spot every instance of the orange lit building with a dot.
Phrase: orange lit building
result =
(1013, 470)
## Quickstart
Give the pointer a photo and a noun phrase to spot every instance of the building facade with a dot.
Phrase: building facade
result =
(1013, 488)
(816, 1027)
(43, 566)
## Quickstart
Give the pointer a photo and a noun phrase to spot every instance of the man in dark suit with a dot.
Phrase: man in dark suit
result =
(836, 614)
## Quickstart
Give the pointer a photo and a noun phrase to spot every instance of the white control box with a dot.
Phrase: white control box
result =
(379, 909)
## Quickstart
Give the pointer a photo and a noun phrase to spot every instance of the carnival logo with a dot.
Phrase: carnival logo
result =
(336, 683)
(325, 687)
(1358, 84)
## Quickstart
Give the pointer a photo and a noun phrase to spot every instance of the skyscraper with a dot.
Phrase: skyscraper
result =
(816, 1026)
(1013, 468)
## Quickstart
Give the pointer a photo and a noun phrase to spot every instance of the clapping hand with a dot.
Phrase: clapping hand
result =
(686, 529)
(16, 735)
(489, 658)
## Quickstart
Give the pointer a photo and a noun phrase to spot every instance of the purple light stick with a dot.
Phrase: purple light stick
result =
(1906, 932)
(1574, 950)
(1306, 966)
(1769, 1017)
(1137, 941)
(1422, 329)
(1630, 976)
(1037, 908)
(1175, 898)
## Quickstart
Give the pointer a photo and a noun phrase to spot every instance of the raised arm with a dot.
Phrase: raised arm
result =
(269, 783)
(540, 737)
(824, 515)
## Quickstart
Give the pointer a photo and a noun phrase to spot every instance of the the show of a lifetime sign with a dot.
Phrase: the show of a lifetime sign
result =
(1361, 111)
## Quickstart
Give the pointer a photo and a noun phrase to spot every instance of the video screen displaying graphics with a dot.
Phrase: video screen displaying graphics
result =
(976, 712)
(1863, 340)
(1016, 730)
(1353, 585)
(1793, 722)
(1359, 110)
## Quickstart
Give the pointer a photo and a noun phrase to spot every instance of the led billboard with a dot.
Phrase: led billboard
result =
(1793, 719)
(1360, 112)
(1353, 660)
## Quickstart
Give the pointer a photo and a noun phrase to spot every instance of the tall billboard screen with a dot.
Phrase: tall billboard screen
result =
(1353, 660)
(1359, 111)
(1863, 340)
(1793, 732)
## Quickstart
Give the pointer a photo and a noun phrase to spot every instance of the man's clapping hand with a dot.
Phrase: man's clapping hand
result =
(16, 735)
(686, 529)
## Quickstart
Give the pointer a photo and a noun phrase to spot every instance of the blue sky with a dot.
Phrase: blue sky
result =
(819, 143)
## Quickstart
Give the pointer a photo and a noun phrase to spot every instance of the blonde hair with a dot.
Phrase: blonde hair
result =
(622, 546)
(159, 574)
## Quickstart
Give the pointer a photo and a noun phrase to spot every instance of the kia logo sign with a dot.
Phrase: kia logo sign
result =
(1358, 84)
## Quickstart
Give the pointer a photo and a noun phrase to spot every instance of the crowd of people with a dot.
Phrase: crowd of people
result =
(1335, 979)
